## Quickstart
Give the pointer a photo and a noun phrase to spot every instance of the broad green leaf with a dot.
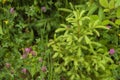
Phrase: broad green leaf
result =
(117, 4)
(87, 39)
(72, 77)
(100, 50)
(80, 39)
(69, 73)
(69, 40)
(95, 23)
(82, 12)
(67, 59)
(105, 22)
(112, 4)
(48, 27)
(58, 69)
(63, 25)
(76, 65)
(1, 31)
(106, 10)
(98, 34)
(60, 29)
(96, 67)
(101, 66)
(65, 10)
(33, 71)
(93, 8)
(94, 17)
(112, 23)
(55, 55)
(71, 6)
(96, 43)
(118, 13)
(88, 69)
(79, 52)
(117, 22)
(101, 14)
(75, 37)
(84, 47)
(104, 3)
(102, 27)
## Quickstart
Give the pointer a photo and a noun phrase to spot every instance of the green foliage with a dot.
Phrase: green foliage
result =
(85, 46)
(77, 54)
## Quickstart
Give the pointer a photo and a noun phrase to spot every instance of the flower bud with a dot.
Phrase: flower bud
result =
(28, 50)
(33, 53)
(111, 51)
(108, 27)
(43, 9)
(24, 56)
(11, 10)
(24, 70)
(7, 65)
(44, 69)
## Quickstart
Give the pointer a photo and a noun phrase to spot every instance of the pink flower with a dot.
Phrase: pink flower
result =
(109, 27)
(12, 10)
(28, 50)
(7, 65)
(111, 51)
(24, 70)
(24, 56)
(33, 53)
(44, 69)
(43, 9)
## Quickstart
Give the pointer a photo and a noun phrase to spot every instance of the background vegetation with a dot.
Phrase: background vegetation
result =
(59, 39)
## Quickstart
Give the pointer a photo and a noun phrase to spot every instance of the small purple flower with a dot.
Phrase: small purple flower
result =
(44, 69)
(43, 9)
(109, 27)
(111, 51)
(28, 50)
(24, 70)
(11, 10)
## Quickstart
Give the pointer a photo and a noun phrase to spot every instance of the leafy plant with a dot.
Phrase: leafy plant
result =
(76, 52)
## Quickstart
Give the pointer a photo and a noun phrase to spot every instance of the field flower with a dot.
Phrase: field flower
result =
(28, 50)
(24, 56)
(11, 10)
(44, 69)
(24, 70)
(108, 27)
(43, 9)
(7, 65)
(111, 51)
(33, 53)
